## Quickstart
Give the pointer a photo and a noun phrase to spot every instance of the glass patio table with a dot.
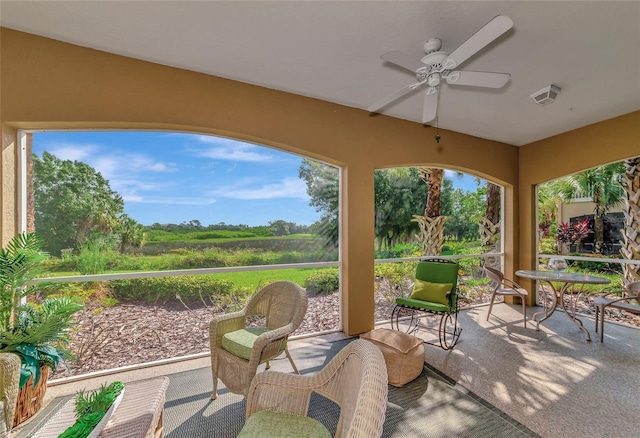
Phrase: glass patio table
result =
(567, 279)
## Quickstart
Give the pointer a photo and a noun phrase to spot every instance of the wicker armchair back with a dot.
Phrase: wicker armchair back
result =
(355, 379)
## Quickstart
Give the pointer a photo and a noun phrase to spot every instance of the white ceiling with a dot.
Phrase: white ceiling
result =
(331, 51)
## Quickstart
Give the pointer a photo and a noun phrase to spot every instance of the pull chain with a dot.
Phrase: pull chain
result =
(437, 137)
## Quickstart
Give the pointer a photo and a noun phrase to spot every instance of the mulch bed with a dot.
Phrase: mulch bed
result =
(135, 333)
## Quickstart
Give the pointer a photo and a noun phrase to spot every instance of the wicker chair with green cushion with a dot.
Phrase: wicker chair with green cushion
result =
(243, 340)
(355, 379)
(9, 381)
(434, 294)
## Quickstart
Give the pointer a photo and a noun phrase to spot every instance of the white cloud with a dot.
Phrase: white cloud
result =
(287, 188)
(111, 164)
(73, 152)
(232, 150)
(168, 200)
(124, 171)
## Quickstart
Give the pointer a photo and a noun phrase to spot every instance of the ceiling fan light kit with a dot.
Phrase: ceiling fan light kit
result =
(546, 95)
(437, 66)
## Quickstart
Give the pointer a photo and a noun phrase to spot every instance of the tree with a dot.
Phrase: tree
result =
(490, 225)
(323, 189)
(431, 236)
(72, 201)
(601, 184)
(463, 210)
(281, 228)
(399, 193)
(548, 200)
(130, 233)
(631, 232)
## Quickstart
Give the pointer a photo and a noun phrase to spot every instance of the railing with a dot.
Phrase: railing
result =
(591, 259)
(180, 272)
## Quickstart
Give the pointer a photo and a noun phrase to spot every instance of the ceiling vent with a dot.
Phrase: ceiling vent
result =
(546, 95)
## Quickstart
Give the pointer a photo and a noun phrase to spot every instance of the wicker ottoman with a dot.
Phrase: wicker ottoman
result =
(403, 354)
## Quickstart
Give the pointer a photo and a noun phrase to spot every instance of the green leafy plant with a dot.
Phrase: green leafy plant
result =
(37, 333)
(90, 408)
(326, 281)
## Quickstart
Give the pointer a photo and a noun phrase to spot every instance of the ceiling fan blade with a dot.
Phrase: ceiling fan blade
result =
(478, 79)
(430, 108)
(403, 60)
(478, 41)
(393, 96)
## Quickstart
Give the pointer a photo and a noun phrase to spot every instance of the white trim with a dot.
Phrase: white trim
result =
(22, 181)
(590, 259)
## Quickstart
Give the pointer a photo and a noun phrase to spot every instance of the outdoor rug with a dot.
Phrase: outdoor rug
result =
(433, 405)
(430, 406)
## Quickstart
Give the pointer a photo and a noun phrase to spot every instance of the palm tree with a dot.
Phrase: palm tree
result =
(601, 184)
(549, 198)
(631, 232)
(131, 232)
(431, 236)
(490, 225)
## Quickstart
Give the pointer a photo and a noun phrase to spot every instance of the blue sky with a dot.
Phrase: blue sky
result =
(172, 177)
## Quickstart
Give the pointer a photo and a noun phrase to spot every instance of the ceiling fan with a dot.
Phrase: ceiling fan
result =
(437, 65)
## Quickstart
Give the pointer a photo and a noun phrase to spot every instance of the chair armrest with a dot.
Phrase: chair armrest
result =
(267, 344)
(226, 323)
(511, 284)
(611, 301)
(282, 392)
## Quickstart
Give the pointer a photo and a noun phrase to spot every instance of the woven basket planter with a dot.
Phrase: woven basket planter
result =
(30, 397)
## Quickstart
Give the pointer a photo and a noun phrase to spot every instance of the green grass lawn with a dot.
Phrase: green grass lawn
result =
(254, 279)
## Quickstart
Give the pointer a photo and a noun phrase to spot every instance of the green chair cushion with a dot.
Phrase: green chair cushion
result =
(240, 342)
(418, 304)
(282, 425)
(431, 292)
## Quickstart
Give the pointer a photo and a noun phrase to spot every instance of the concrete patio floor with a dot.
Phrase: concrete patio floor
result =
(553, 381)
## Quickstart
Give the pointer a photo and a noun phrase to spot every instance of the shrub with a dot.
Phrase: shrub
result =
(93, 257)
(325, 281)
(394, 279)
(548, 245)
(399, 251)
(190, 288)
(595, 266)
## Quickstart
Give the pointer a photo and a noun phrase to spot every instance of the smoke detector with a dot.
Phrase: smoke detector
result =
(546, 95)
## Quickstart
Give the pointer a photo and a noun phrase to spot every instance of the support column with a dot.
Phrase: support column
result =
(357, 249)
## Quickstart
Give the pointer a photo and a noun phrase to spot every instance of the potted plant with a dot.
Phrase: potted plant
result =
(36, 332)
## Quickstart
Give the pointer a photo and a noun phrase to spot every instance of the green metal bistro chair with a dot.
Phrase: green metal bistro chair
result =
(434, 294)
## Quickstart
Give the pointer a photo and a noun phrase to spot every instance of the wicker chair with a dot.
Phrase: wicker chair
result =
(355, 379)
(9, 381)
(243, 340)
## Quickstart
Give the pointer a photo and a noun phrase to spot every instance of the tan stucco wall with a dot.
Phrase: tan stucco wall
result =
(601, 143)
(580, 208)
(50, 84)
